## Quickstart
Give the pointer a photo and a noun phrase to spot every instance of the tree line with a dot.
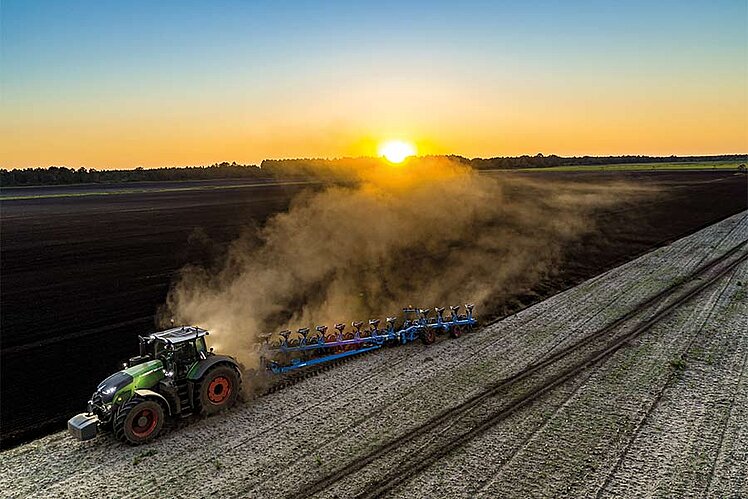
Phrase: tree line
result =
(60, 175)
(540, 161)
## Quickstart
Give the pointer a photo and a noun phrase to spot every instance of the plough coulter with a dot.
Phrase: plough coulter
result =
(177, 375)
(289, 351)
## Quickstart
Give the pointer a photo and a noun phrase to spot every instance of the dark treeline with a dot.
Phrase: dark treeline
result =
(540, 161)
(60, 175)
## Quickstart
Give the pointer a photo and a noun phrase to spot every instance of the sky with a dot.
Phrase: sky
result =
(113, 84)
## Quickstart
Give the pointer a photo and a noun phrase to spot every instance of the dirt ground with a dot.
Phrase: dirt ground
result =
(81, 277)
(664, 414)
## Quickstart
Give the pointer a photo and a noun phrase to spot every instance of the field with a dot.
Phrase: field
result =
(76, 293)
(85, 190)
(629, 167)
(634, 382)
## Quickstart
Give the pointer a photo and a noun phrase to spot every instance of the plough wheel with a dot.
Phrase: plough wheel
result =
(428, 336)
(456, 331)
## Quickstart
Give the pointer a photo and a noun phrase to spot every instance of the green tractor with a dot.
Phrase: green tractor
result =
(175, 375)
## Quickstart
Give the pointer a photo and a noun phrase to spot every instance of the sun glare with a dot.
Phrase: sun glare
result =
(395, 151)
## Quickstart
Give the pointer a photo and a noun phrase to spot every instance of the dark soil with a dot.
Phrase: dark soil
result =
(81, 277)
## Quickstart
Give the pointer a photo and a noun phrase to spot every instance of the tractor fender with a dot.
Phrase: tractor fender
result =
(202, 366)
(150, 394)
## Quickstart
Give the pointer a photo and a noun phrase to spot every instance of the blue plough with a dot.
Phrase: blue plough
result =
(304, 348)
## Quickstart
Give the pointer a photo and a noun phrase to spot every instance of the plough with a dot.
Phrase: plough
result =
(288, 351)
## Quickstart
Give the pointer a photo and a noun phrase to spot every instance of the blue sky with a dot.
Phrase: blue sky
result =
(76, 64)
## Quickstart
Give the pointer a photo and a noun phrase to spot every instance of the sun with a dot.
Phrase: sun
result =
(395, 151)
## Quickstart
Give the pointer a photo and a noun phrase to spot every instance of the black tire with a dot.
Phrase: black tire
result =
(428, 336)
(217, 390)
(139, 421)
(108, 426)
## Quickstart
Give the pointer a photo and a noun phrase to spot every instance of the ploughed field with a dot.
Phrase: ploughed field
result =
(633, 383)
(82, 275)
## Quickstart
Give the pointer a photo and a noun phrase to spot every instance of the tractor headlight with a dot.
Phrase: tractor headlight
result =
(109, 391)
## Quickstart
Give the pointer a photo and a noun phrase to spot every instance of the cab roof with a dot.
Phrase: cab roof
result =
(179, 334)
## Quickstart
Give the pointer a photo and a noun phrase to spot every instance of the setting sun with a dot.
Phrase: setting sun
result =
(395, 151)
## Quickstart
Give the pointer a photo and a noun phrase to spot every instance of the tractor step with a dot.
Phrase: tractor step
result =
(183, 392)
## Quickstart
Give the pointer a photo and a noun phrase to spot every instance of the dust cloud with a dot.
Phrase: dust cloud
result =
(429, 232)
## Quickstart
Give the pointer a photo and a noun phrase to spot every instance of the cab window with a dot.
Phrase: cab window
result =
(158, 349)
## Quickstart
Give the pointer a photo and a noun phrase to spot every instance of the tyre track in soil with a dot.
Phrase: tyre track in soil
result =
(718, 454)
(526, 441)
(658, 397)
(392, 480)
(529, 438)
(676, 446)
(562, 473)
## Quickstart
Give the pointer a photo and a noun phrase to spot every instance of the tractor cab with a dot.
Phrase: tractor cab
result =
(178, 348)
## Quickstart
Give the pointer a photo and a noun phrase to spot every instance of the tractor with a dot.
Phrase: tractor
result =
(175, 375)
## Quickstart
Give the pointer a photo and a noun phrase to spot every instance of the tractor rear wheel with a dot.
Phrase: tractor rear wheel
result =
(218, 390)
(428, 336)
(138, 421)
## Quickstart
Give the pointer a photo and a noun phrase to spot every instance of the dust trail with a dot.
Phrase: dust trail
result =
(429, 232)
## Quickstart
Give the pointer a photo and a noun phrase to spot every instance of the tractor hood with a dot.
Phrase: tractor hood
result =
(141, 375)
(144, 368)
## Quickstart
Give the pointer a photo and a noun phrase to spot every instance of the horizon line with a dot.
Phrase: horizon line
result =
(340, 158)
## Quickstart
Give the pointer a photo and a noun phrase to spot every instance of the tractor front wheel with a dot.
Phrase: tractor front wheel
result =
(218, 389)
(139, 421)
